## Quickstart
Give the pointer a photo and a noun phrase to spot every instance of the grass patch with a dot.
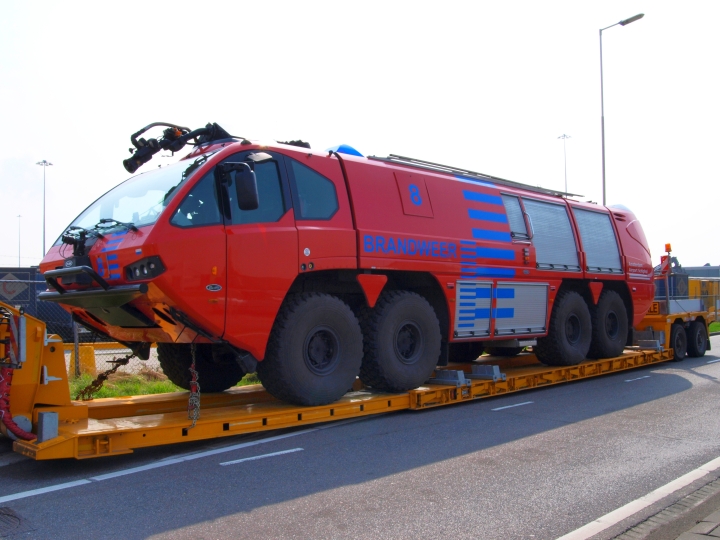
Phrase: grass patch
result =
(119, 384)
(147, 381)
(715, 327)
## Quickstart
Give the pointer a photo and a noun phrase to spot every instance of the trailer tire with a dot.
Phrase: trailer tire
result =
(696, 339)
(214, 374)
(314, 352)
(401, 342)
(568, 340)
(678, 342)
(507, 352)
(609, 326)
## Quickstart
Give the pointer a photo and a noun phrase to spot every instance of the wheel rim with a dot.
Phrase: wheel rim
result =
(408, 342)
(700, 341)
(322, 350)
(572, 329)
(612, 325)
(679, 344)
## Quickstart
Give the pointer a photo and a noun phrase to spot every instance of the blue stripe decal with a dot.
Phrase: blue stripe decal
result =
(483, 215)
(482, 313)
(112, 257)
(114, 276)
(474, 180)
(465, 325)
(500, 236)
(467, 304)
(115, 241)
(467, 243)
(504, 293)
(492, 272)
(490, 253)
(113, 266)
(504, 313)
(482, 197)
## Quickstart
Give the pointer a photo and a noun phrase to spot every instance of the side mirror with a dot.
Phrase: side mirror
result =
(245, 183)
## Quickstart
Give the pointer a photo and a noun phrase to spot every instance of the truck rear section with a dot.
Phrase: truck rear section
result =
(314, 268)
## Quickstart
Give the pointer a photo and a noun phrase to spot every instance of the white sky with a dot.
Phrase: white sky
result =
(485, 85)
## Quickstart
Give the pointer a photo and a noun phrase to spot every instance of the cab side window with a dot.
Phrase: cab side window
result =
(200, 206)
(314, 195)
(270, 197)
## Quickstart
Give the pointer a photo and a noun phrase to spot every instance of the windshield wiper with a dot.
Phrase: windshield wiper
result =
(110, 222)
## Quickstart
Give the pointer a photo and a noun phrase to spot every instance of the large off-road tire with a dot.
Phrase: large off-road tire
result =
(696, 339)
(609, 326)
(314, 352)
(463, 353)
(678, 342)
(507, 352)
(216, 372)
(568, 340)
(402, 342)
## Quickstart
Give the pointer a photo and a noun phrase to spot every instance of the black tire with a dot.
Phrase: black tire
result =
(609, 326)
(463, 353)
(314, 352)
(402, 342)
(216, 372)
(507, 352)
(568, 340)
(697, 339)
(678, 342)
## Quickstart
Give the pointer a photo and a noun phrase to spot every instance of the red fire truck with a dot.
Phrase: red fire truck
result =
(313, 268)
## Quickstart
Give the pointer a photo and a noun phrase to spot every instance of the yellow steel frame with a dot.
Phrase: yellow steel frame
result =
(113, 426)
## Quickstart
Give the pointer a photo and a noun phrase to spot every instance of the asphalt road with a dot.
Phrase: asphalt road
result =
(559, 459)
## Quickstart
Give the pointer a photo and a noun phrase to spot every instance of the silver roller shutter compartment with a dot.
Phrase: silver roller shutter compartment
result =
(552, 236)
(472, 308)
(521, 308)
(599, 242)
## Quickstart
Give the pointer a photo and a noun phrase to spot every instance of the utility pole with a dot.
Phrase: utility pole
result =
(44, 164)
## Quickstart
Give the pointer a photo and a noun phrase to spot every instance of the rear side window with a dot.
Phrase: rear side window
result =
(315, 196)
(515, 216)
(553, 236)
(599, 241)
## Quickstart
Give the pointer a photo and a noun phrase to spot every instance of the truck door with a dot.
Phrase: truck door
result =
(262, 256)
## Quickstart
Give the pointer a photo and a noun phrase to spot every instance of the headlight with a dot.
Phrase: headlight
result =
(147, 268)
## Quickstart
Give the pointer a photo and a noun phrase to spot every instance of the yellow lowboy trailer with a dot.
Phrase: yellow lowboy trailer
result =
(47, 424)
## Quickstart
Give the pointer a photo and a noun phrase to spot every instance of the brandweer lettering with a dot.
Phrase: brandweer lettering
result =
(408, 246)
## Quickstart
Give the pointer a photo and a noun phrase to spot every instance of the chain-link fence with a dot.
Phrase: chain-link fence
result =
(85, 351)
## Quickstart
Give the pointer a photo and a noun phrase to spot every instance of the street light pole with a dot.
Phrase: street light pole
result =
(44, 163)
(19, 216)
(602, 103)
(565, 137)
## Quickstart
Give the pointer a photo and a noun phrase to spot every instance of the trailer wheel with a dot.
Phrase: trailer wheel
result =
(504, 351)
(214, 374)
(609, 326)
(402, 342)
(314, 352)
(678, 341)
(568, 340)
(696, 339)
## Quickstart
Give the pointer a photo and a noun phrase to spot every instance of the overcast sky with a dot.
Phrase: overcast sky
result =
(485, 85)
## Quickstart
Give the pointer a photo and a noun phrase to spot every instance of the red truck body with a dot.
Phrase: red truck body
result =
(489, 256)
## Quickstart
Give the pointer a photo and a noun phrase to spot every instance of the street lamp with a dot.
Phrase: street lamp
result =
(602, 105)
(19, 216)
(564, 137)
(44, 164)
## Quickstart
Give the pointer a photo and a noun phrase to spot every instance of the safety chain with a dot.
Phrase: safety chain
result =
(86, 394)
(194, 399)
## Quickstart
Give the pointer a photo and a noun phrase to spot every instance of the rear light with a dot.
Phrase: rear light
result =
(146, 268)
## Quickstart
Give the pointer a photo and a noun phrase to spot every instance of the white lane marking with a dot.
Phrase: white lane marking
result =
(40, 491)
(616, 516)
(166, 462)
(713, 361)
(631, 380)
(235, 461)
(511, 406)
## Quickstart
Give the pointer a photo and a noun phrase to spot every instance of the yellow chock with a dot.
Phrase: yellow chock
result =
(87, 360)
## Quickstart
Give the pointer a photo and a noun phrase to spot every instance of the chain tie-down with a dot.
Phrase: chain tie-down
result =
(86, 394)
(194, 399)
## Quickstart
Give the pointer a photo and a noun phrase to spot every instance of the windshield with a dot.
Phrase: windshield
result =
(141, 199)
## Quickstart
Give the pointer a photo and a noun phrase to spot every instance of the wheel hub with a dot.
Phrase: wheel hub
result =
(408, 342)
(612, 325)
(572, 329)
(322, 350)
